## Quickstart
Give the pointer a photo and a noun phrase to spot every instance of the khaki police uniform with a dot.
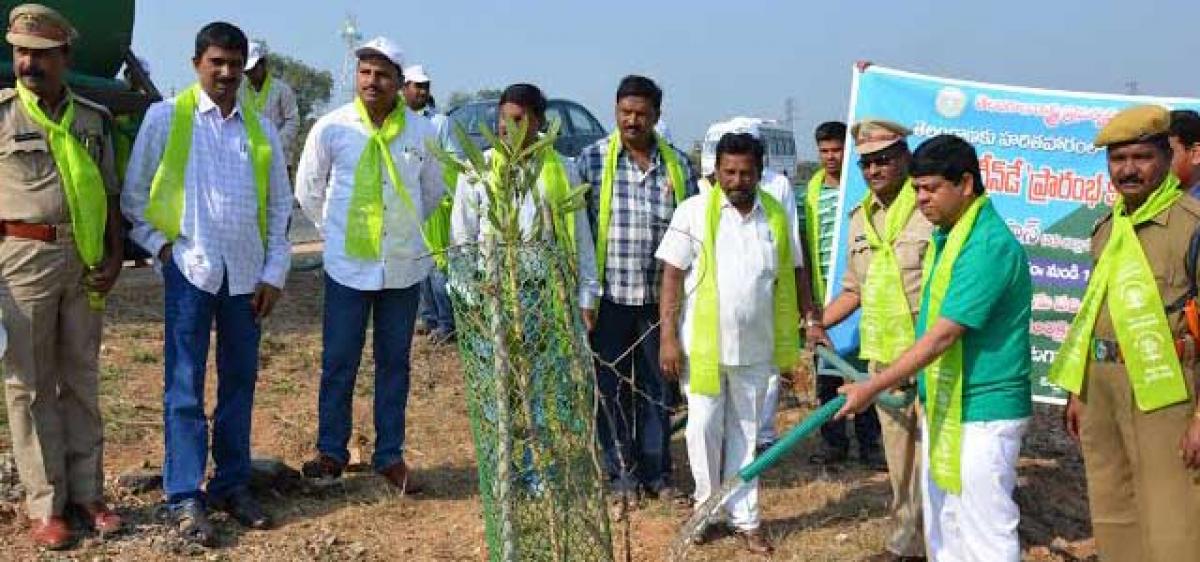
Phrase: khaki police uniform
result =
(51, 370)
(900, 429)
(1145, 502)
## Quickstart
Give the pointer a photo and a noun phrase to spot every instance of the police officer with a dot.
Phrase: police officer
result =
(1129, 363)
(60, 252)
(888, 221)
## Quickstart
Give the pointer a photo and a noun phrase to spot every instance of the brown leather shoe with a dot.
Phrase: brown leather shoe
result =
(51, 533)
(756, 541)
(399, 476)
(103, 519)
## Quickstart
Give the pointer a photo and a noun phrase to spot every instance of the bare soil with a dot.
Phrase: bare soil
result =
(810, 513)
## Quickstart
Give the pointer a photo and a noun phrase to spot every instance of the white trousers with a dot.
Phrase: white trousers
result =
(766, 424)
(721, 434)
(980, 525)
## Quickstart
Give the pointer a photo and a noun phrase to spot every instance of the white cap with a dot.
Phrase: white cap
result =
(258, 50)
(384, 47)
(416, 73)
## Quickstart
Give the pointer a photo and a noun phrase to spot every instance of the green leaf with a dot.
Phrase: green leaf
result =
(474, 155)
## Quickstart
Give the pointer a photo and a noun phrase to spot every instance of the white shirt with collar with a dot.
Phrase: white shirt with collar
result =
(778, 186)
(747, 265)
(468, 224)
(325, 183)
(442, 125)
(219, 237)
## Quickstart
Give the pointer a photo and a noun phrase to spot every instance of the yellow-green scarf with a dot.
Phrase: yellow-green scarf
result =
(675, 174)
(886, 328)
(165, 208)
(82, 183)
(364, 222)
(704, 361)
(1137, 312)
(812, 226)
(259, 98)
(944, 376)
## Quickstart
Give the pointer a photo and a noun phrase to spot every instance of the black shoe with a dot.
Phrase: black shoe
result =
(191, 520)
(324, 467)
(244, 508)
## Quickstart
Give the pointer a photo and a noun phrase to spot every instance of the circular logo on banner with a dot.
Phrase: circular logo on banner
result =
(950, 102)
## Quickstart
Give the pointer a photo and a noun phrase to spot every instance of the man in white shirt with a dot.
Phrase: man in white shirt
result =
(368, 181)
(778, 186)
(731, 345)
(272, 97)
(437, 317)
(212, 203)
(468, 220)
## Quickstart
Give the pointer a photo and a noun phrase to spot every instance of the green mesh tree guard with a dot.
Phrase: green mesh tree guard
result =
(528, 369)
(529, 380)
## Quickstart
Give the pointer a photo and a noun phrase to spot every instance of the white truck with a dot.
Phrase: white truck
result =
(778, 140)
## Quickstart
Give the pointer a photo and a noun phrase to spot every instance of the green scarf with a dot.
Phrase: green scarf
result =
(364, 222)
(944, 376)
(82, 183)
(87, 201)
(887, 324)
(165, 208)
(677, 180)
(1137, 312)
(812, 224)
(705, 354)
(258, 99)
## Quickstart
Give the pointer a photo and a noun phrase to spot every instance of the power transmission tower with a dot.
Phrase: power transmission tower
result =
(351, 36)
(789, 112)
(1131, 87)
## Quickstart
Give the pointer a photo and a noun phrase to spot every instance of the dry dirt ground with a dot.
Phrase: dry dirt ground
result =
(810, 513)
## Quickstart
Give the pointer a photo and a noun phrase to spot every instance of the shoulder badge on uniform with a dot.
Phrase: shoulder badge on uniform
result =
(93, 105)
(8, 94)
(1100, 221)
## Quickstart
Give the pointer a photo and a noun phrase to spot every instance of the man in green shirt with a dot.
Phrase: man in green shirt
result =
(972, 352)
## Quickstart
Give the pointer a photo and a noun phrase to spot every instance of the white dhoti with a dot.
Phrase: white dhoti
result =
(766, 422)
(980, 525)
(721, 433)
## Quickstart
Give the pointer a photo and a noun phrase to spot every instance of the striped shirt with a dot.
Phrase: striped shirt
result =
(642, 205)
(827, 210)
(218, 239)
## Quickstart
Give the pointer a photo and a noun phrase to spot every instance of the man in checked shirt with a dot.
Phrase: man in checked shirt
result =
(637, 180)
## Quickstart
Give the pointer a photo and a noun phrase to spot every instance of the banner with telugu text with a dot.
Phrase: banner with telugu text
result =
(1040, 168)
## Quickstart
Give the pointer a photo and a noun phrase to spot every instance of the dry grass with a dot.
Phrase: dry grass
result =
(810, 514)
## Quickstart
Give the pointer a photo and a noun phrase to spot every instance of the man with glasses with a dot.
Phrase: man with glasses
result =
(888, 239)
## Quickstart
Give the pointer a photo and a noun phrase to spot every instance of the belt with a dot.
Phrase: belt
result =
(33, 231)
(1110, 351)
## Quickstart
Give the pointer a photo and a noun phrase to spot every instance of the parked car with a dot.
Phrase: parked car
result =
(579, 127)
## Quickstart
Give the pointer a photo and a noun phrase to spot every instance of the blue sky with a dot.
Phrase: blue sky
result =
(717, 59)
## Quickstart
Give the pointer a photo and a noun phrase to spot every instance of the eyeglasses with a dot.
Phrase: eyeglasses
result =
(881, 160)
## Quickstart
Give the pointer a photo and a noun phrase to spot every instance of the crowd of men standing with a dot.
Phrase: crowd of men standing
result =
(711, 281)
